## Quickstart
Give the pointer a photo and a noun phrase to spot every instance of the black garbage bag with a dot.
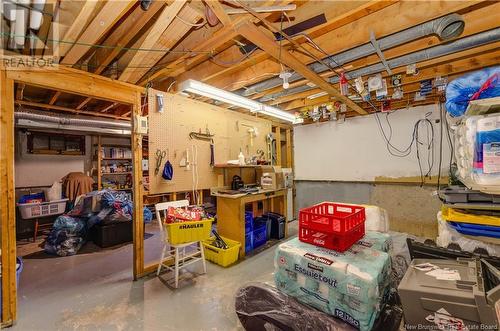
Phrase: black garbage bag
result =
(262, 307)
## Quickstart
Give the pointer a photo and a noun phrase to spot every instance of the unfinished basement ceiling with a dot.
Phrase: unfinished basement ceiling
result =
(174, 41)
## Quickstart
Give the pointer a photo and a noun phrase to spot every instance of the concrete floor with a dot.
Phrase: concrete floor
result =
(95, 291)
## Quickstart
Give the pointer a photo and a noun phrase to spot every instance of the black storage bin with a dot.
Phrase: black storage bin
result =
(263, 220)
(277, 225)
(108, 235)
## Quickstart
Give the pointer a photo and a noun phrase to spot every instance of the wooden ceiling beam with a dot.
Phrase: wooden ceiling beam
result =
(65, 109)
(76, 28)
(475, 22)
(123, 34)
(337, 15)
(54, 97)
(221, 37)
(174, 33)
(83, 103)
(166, 17)
(100, 25)
(218, 10)
(267, 44)
(351, 35)
(111, 106)
(207, 47)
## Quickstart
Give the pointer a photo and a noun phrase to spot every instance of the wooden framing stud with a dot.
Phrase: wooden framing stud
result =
(7, 203)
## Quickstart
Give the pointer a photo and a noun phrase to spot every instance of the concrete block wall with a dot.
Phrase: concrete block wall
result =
(411, 208)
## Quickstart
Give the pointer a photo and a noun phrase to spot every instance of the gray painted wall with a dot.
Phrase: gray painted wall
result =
(411, 208)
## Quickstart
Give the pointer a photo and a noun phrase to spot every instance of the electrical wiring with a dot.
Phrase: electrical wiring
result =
(393, 150)
(60, 41)
(170, 86)
(196, 25)
(230, 64)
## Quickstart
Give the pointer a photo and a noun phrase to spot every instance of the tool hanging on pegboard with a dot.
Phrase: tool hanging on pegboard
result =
(271, 148)
(207, 136)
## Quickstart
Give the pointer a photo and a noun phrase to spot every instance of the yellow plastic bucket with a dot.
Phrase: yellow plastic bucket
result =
(185, 232)
(453, 215)
(222, 257)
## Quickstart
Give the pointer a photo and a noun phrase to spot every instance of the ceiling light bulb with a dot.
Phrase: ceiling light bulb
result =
(285, 75)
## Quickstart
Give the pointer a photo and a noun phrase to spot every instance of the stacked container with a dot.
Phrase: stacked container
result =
(332, 225)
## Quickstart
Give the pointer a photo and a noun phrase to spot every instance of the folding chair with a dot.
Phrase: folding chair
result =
(178, 251)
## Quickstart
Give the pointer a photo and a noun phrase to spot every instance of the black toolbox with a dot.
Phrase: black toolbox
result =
(107, 235)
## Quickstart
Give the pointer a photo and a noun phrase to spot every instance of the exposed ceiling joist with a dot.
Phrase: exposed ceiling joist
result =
(100, 25)
(475, 22)
(220, 39)
(123, 34)
(175, 32)
(232, 76)
(263, 41)
(164, 20)
(346, 37)
(54, 97)
(182, 64)
(83, 103)
(218, 10)
(111, 106)
(75, 29)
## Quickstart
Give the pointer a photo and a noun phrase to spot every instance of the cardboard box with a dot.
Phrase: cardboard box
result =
(272, 180)
(266, 169)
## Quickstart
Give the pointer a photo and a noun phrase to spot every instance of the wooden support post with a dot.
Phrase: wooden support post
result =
(7, 206)
(277, 135)
(138, 216)
(99, 157)
(289, 158)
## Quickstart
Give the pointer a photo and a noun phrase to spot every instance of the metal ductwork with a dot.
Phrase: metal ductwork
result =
(458, 45)
(446, 27)
(57, 121)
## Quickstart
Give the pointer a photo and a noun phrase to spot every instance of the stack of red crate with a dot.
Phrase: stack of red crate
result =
(332, 225)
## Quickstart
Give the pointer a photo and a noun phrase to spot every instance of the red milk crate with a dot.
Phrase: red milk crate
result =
(332, 225)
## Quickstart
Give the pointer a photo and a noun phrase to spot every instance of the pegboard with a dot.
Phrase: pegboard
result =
(169, 131)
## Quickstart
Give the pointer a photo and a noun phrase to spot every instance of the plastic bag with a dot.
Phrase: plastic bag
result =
(261, 307)
(54, 192)
(448, 235)
(479, 84)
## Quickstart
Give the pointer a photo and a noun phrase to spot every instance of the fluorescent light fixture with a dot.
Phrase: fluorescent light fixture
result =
(212, 92)
(278, 113)
(316, 95)
(196, 87)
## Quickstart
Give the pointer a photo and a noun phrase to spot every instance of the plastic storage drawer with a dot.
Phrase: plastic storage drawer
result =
(476, 229)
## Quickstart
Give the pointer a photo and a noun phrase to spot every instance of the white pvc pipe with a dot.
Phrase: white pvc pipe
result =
(21, 23)
(36, 17)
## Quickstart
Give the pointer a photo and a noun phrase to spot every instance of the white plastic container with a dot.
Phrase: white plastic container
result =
(43, 209)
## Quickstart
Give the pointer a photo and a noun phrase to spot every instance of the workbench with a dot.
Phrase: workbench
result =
(231, 211)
